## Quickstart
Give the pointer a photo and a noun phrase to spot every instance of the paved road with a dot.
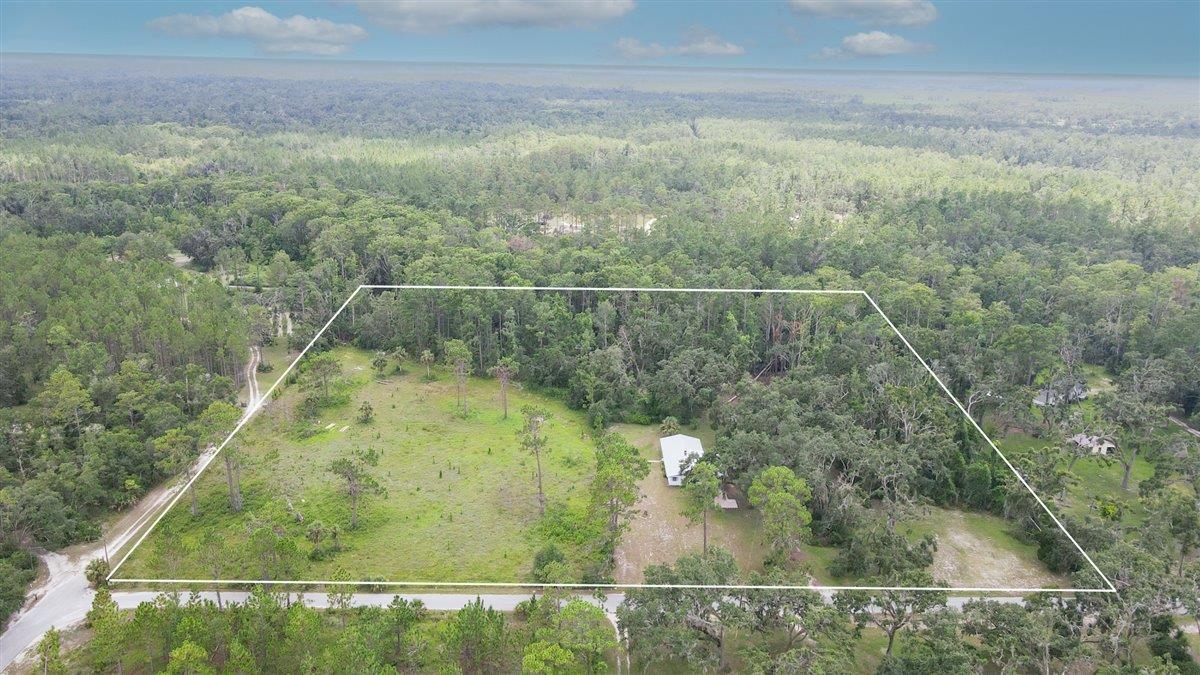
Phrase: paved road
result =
(81, 595)
(442, 602)
(72, 599)
(448, 602)
(62, 597)
(432, 601)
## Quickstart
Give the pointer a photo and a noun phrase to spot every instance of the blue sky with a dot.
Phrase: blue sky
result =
(1012, 36)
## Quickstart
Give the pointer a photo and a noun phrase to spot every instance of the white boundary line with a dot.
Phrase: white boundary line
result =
(501, 584)
(1111, 588)
(112, 578)
(241, 423)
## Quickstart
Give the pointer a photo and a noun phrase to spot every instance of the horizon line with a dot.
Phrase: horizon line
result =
(668, 68)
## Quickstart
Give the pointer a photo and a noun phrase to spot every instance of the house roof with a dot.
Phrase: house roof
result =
(676, 450)
(1048, 396)
(1087, 441)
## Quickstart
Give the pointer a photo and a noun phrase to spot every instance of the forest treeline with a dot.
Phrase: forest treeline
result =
(107, 370)
(1022, 245)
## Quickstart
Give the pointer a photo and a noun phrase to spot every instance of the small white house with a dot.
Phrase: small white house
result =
(679, 451)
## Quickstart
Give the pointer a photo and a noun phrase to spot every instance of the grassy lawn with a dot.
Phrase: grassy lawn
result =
(1098, 380)
(1097, 479)
(869, 652)
(279, 356)
(461, 499)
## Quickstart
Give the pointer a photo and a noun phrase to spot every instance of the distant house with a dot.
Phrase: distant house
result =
(1098, 445)
(679, 452)
(1049, 396)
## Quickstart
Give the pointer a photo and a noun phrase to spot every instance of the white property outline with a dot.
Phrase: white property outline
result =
(255, 405)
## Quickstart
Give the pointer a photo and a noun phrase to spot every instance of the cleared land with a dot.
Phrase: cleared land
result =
(661, 534)
(461, 502)
(978, 550)
(974, 549)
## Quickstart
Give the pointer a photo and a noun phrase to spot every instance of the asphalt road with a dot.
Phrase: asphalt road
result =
(62, 597)
(442, 602)
(68, 603)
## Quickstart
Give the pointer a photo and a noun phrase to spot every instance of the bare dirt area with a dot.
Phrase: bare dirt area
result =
(967, 557)
(661, 534)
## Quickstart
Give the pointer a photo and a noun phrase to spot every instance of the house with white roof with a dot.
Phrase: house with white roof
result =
(679, 452)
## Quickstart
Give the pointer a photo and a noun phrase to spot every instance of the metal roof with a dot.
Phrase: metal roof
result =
(676, 450)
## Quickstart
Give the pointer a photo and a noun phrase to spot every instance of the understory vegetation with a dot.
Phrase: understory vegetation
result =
(268, 634)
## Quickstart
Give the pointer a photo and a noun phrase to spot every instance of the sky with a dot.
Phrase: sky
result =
(1160, 38)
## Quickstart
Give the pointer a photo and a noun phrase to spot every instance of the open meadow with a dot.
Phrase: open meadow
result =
(461, 494)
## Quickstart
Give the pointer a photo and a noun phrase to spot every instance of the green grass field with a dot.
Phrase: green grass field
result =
(461, 502)
(1097, 479)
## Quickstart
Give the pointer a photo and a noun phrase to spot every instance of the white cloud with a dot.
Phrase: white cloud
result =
(871, 12)
(873, 44)
(294, 35)
(697, 41)
(421, 16)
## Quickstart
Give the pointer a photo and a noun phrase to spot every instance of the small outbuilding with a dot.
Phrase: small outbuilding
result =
(1098, 445)
(679, 452)
(1051, 396)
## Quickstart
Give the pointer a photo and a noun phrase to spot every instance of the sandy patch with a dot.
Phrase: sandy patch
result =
(965, 558)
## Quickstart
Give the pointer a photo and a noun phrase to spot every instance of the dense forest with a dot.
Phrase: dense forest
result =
(154, 228)
(108, 372)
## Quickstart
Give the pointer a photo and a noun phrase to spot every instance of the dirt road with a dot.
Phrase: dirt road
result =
(61, 596)
(1181, 423)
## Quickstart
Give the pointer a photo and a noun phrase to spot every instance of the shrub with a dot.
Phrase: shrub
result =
(96, 572)
(875, 551)
(547, 555)
(669, 426)
(1167, 642)
(977, 486)
(1056, 550)
(366, 413)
